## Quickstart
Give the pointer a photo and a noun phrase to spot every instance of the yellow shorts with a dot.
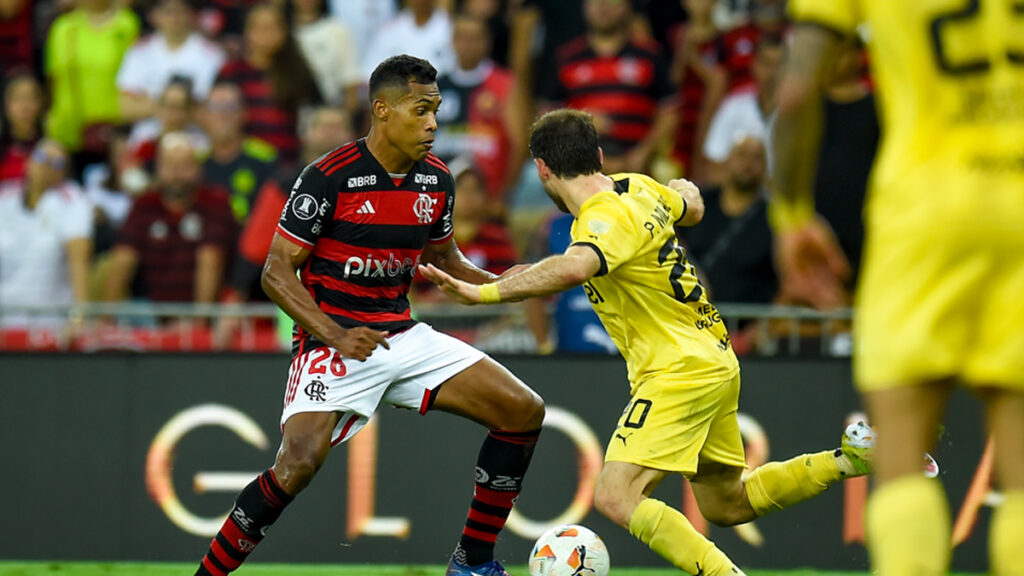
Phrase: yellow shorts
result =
(942, 301)
(672, 426)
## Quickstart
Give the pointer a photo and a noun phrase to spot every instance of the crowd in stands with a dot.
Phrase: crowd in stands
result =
(148, 146)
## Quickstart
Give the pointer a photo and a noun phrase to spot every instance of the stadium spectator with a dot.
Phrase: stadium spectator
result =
(700, 79)
(179, 235)
(746, 112)
(17, 35)
(743, 30)
(224, 21)
(324, 130)
(423, 29)
(45, 239)
(496, 16)
(556, 24)
(848, 145)
(363, 18)
(483, 115)
(84, 50)
(622, 82)
(111, 188)
(732, 247)
(175, 113)
(175, 50)
(238, 163)
(330, 52)
(275, 79)
(485, 243)
(21, 125)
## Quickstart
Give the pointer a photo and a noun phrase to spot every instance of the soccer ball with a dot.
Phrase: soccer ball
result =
(569, 550)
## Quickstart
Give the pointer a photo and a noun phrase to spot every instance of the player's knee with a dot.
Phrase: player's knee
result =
(524, 410)
(297, 463)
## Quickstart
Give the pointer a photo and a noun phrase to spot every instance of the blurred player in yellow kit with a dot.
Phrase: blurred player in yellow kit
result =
(941, 298)
(684, 377)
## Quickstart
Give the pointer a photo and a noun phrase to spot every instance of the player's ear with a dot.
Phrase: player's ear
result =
(600, 155)
(381, 110)
(543, 172)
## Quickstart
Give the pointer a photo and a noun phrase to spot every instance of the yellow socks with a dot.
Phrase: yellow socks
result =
(1007, 536)
(779, 485)
(666, 531)
(908, 528)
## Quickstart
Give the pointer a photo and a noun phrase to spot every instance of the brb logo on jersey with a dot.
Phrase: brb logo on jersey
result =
(360, 181)
(424, 208)
(425, 179)
(371, 267)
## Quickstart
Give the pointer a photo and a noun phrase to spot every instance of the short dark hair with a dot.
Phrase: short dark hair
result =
(566, 141)
(399, 71)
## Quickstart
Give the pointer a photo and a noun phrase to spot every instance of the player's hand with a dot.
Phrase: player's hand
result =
(690, 194)
(457, 290)
(358, 343)
(812, 268)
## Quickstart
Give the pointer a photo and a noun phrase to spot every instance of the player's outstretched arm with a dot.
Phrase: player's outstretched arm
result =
(447, 257)
(551, 275)
(284, 288)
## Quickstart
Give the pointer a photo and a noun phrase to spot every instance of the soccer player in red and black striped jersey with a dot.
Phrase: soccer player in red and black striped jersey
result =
(358, 223)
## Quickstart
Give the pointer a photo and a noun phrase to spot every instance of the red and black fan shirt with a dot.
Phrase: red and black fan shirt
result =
(366, 230)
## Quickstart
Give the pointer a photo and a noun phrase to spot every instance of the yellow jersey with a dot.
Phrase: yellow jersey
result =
(646, 292)
(950, 83)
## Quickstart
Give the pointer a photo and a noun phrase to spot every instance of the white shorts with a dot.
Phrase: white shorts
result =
(420, 360)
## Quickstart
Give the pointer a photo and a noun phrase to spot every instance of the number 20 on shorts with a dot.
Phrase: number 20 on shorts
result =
(637, 413)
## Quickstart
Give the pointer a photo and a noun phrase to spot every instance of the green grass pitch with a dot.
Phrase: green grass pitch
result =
(256, 569)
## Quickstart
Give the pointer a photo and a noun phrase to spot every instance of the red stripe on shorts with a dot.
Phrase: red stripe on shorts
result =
(344, 430)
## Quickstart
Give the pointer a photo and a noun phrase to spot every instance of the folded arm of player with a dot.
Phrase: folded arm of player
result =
(692, 200)
(552, 274)
(281, 284)
(811, 266)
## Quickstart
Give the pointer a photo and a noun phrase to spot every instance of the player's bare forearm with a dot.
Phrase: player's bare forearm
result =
(283, 287)
(551, 275)
(798, 127)
(449, 258)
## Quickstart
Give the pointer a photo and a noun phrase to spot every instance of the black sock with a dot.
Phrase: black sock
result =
(500, 467)
(256, 508)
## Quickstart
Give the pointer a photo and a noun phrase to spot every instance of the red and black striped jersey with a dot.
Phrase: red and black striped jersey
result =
(625, 88)
(366, 229)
